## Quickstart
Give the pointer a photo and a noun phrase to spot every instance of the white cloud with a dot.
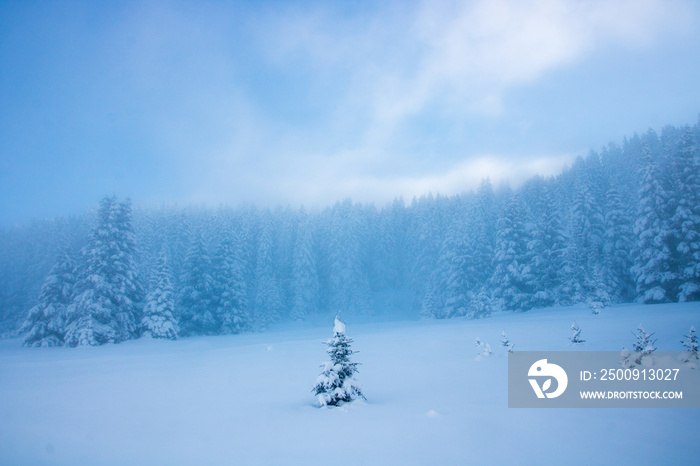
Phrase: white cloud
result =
(370, 74)
(473, 52)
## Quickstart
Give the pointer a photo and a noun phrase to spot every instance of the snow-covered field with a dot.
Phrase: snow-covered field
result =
(246, 399)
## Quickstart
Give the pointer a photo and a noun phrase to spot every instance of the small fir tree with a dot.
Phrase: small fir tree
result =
(690, 343)
(644, 343)
(336, 384)
(505, 342)
(482, 349)
(641, 349)
(576, 336)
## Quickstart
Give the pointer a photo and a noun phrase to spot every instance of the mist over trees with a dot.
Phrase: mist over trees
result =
(621, 224)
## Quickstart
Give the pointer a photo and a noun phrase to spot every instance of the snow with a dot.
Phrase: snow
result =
(228, 400)
(339, 327)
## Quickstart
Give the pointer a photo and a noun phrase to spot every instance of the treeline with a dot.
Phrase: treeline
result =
(621, 224)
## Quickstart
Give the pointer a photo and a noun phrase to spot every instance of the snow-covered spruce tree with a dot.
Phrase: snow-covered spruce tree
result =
(194, 302)
(587, 232)
(617, 247)
(644, 343)
(46, 321)
(348, 282)
(690, 343)
(268, 302)
(652, 256)
(336, 384)
(511, 280)
(685, 221)
(576, 334)
(305, 285)
(229, 287)
(130, 289)
(107, 295)
(158, 313)
(456, 271)
(540, 252)
(428, 307)
(481, 305)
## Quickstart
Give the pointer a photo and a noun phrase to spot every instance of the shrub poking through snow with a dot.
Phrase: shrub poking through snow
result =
(596, 307)
(690, 343)
(505, 342)
(576, 336)
(642, 349)
(644, 343)
(626, 359)
(482, 349)
(336, 384)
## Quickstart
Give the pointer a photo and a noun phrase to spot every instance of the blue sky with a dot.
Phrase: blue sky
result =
(311, 102)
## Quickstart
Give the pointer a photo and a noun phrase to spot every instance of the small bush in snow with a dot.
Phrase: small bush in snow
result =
(690, 343)
(644, 343)
(505, 342)
(336, 384)
(482, 349)
(642, 349)
(626, 359)
(576, 336)
(596, 307)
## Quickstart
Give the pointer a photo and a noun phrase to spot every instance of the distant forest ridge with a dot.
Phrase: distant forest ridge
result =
(621, 224)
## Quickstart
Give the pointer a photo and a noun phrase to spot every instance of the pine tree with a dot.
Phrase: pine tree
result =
(348, 283)
(195, 313)
(644, 343)
(305, 284)
(685, 222)
(652, 254)
(481, 305)
(545, 248)
(484, 218)
(511, 280)
(268, 304)
(429, 308)
(107, 293)
(45, 322)
(423, 248)
(617, 247)
(130, 294)
(690, 343)
(229, 287)
(457, 270)
(159, 311)
(336, 383)
(587, 235)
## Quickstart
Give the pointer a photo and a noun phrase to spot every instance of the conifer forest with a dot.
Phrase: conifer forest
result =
(621, 224)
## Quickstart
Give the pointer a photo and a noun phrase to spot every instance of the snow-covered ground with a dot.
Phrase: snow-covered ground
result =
(246, 399)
